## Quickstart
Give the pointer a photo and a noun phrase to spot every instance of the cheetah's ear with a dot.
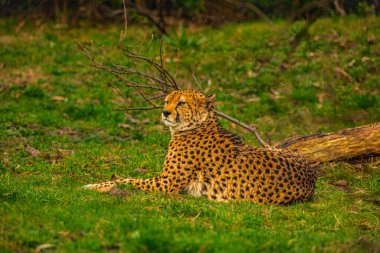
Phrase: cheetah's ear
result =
(210, 101)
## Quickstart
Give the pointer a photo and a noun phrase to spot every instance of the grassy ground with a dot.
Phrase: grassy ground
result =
(58, 132)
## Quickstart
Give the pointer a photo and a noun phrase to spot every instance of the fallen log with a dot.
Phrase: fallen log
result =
(344, 145)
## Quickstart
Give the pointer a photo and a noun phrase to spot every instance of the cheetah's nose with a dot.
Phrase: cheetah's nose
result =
(166, 113)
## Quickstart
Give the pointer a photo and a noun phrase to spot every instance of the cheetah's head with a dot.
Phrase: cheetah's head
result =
(187, 109)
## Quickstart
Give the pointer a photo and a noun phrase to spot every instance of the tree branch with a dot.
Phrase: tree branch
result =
(252, 129)
(138, 109)
(156, 78)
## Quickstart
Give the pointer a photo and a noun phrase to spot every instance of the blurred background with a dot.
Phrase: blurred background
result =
(169, 13)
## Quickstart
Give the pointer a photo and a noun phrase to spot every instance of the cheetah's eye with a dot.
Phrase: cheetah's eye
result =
(166, 102)
(181, 103)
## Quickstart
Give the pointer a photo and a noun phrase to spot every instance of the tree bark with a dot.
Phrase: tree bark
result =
(347, 144)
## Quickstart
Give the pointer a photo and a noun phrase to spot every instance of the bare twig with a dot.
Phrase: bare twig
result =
(339, 7)
(197, 82)
(252, 129)
(117, 90)
(125, 20)
(150, 15)
(124, 70)
(252, 7)
(343, 75)
(145, 87)
(317, 5)
(176, 69)
(162, 60)
(269, 141)
(157, 97)
(156, 81)
(152, 63)
(138, 109)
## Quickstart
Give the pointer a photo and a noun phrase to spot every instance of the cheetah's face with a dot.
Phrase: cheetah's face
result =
(185, 110)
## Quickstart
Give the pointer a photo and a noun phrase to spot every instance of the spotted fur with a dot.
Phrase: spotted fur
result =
(204, 159)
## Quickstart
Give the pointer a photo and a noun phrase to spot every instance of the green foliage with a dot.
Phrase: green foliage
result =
(363, 101)
(84, 111)
(51, 101)
(181, 40)
(34, 92)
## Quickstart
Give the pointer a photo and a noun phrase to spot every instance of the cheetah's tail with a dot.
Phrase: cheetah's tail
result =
(106, 186)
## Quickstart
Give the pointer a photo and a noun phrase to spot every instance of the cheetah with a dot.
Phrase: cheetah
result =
(204, 159)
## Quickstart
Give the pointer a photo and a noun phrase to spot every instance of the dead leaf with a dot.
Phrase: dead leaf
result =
(351, 63)
(53, 157)
(116, 192)
(321, 99)
(253, 98)
(19, 81)
(33, 126)
(34, 152)
(366, 59)
(6, 159)
(341, 183)
(371, 38)
(131, 119)
(68, 131)
(347, 44)
(343, 75)
(250, 74)
(125, 126)
(66, 234)
(42, 247)
(313, 55)
(20, 26)
(285, 65)
(360, 191)
(274, 91)
(66, 151)
(334, 55)
(58, 98)
(274, 94)
(28, 76)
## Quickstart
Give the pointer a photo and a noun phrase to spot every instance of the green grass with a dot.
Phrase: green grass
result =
(80, 142)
